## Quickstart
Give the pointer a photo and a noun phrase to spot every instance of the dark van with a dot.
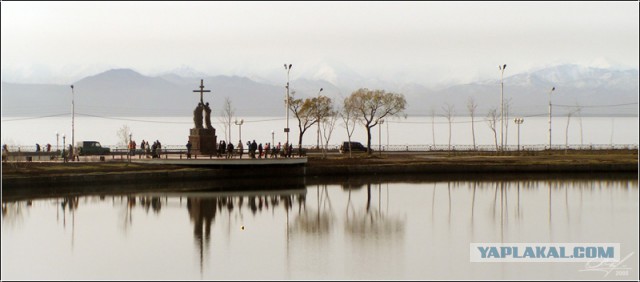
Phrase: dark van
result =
(355, 147)
(88, 148)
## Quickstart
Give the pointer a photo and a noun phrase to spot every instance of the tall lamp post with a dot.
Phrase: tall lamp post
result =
(552, 89)
(239, 124)
(131, 149)
(379, 139)
(518, 121)
(272, 138)
(57, 138)
(387, 135)
(73, 115)
(286, 129)
(502, 68)
(64, 153)
(318, 117)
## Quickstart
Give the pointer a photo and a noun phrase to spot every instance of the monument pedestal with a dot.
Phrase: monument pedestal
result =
(203, 141)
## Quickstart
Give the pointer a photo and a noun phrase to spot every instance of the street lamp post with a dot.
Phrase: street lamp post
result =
(387, 135)
(379, 139)
(64, 152)
(286, 129)
(131, 150)
(518, 121)
(73, 115)
(57, 138)
(502, 68)
(552, 89)
(318, 118)
(272, 138)
(239, 124)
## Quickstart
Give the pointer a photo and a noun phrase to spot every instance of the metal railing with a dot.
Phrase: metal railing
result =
(177, 149)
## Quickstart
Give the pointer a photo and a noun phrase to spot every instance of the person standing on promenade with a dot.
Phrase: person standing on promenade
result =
(189, 149)
(70, 155)
(148, 149)
(158, 148)
(285, 148)
(5, 152)
(290, 150)
(260, 151)
(254, 148)
(240, 152)
(230, 150)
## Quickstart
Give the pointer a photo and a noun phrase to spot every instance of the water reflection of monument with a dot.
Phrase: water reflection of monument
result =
(204, 207)
(203, 138)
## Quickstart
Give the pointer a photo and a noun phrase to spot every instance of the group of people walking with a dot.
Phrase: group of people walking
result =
(254, 150)
(154, 151)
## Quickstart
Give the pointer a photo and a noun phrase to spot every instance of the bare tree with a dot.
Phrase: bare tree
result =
(323, 107)
(227, 116)
(304, 112)
(433, 126)
(328, 124)
(471, 106)
(448, 113)
(123, 135)
(349, 118)
(374, 105)
(579, 111)
(566, 138)
(309, 112)
(492, 119)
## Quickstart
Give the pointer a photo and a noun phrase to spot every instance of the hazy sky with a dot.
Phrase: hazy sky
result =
(424, 42)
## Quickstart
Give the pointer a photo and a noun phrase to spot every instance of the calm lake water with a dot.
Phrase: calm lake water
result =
(403, 228)
(411, 131)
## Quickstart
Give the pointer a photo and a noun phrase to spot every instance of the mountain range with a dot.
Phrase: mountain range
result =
(124, 92)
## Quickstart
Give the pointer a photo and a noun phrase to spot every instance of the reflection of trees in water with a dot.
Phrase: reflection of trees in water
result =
(314, 221)
(151, 202)
(70, 203)
(13, 212)
(506, 207)
(372, 220)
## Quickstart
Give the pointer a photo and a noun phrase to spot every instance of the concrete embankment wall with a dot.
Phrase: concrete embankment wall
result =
(235, 175)
(266, 174)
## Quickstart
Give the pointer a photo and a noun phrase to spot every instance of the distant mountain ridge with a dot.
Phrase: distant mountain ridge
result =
(124, 92)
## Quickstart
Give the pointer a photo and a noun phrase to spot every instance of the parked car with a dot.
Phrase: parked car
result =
(355, 147)
(87, 148)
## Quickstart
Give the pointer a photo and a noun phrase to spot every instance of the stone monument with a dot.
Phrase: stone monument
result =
(203, 140)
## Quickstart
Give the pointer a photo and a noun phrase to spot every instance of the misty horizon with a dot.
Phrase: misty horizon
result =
(431, 43)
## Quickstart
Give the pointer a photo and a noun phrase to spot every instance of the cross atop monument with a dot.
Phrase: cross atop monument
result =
(201, 90)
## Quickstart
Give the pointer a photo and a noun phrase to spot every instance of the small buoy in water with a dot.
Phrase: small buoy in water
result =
(242, 227)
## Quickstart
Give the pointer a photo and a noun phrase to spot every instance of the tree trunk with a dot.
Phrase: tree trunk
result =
(473, 134)
(369, 140)
(300, 143)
